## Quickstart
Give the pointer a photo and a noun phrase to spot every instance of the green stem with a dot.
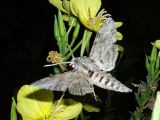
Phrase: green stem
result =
(75, 34)
(70, 27)
(75, 48)
(81, 115)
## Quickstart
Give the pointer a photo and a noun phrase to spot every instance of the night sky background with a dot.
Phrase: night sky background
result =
(26, 36)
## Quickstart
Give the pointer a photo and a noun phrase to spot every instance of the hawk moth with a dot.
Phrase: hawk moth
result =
(92, 70)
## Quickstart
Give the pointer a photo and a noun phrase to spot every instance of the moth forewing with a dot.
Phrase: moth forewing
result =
(76, 82)
(104, 51)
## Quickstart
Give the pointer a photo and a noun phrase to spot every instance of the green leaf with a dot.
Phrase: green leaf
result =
(86, 37)
(156, 109)
(145, 96)
(154, 54)
(63, 34)
(137, 99)
(13, 110)
(91, 108)
(57, 34)
(61, 24)
(157, 65)
(75, 34)
(153, 61)
(147, 64)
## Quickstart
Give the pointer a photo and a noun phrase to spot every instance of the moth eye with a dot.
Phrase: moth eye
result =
(72, 66)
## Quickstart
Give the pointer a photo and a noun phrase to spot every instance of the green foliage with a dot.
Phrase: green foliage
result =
(13, 114)
(66, 32)
(85, 41)
(146, 90)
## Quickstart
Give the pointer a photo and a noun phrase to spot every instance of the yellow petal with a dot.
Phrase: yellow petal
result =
(34, 103)
(67, 109)
(120, 48)
(85, 10)
(118, 24)
(119, 35)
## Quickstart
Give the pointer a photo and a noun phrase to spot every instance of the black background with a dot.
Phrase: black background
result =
(26, 36)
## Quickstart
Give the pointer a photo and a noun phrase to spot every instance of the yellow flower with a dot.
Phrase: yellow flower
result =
(86, 11)
(34, 103)
(66, 109)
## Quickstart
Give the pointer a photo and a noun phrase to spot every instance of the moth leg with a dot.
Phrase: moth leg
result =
(95, 97)
(59, 100)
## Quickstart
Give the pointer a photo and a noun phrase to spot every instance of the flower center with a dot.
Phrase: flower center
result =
(97, 21)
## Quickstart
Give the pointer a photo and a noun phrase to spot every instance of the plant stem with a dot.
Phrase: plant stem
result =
(70, 27)
(81, 115)
(75, 48)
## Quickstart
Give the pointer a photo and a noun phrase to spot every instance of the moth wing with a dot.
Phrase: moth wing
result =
(81, 86)
(107, 81)
(73, 80)
(104, 52)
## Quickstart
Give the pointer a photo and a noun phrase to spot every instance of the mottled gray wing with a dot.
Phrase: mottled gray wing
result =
(76, 82)
(104, 52)
(107, 81)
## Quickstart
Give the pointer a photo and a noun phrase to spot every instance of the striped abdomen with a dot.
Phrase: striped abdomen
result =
(107, 81)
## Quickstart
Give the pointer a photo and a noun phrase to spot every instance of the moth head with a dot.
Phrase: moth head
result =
(78, 64)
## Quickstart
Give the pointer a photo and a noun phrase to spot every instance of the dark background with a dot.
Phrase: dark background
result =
(26, 36)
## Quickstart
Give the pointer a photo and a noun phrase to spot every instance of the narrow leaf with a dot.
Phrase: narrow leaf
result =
(86, 37)
(147, 64)
(13, 110)
(75, 34)
(57, 34)
(61, 24)
(157, 64)
(63, 34)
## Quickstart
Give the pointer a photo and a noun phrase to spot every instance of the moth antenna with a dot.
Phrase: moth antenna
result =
(57, 64)
(71, 51)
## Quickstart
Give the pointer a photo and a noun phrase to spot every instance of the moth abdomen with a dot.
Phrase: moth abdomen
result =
(107, 81)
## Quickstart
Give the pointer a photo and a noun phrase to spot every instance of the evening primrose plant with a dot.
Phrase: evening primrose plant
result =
(146, 92)
(73, 16)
